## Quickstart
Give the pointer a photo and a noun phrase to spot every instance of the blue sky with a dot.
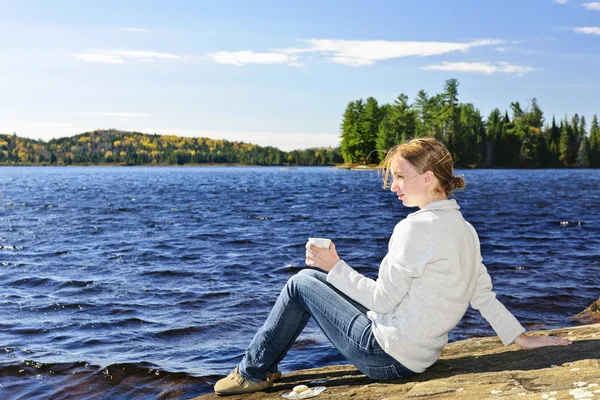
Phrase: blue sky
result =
(281, 73)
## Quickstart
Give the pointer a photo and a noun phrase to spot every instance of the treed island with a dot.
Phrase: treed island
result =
(519, 138)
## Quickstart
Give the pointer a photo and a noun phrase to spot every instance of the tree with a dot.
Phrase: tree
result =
(350, 134)
(494, 133)
(553, 143)
(594, 153)
(368, 128)
(565, 145)
(449, 113)
(423, 107)
(397, 126)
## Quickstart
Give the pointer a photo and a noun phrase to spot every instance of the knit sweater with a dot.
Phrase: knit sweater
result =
(432, 271)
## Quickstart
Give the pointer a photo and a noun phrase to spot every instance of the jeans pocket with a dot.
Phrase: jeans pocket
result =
(384, 373)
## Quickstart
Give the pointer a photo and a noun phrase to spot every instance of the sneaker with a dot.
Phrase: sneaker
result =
(274, 376)
(234, 383)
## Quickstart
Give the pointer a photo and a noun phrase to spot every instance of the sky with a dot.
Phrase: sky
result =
(281, 73)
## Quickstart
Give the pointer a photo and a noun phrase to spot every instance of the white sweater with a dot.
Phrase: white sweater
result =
(432, 271)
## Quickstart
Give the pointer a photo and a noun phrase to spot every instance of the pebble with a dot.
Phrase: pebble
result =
(496, 391)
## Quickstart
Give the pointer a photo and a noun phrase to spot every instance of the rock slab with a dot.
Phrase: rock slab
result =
(477, 368)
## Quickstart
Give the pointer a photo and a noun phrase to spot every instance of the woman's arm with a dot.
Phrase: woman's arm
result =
(408, 254)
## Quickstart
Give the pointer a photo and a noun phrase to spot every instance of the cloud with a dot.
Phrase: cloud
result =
(480, 67)
(561, 1)
(367, 52)
(595, 6)
(349, 52)
(135, 30)
(249, 57)
(588, 30)
(512, 49)
(119, 56)
(353, 62)
(103, 58)
(115, 114)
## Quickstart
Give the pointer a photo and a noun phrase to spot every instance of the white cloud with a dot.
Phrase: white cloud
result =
(349, 52)
(119, 56)
(512, 49)
(480, 67)
(147, 54)
(588, 30)
(365, 52)
(595, 6)
(135, 30)
(103, 58)
(249, 57)
(561, 1)
(354, 62)
(115, 114)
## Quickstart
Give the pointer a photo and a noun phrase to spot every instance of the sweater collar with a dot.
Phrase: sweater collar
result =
(439, 205)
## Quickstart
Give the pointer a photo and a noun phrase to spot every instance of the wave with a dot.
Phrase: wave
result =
(34, 380)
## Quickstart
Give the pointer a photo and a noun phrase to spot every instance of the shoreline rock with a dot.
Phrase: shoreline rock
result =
(589, 315)
(476, 368)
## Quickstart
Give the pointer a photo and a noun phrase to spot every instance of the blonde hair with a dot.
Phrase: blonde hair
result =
(425, 154)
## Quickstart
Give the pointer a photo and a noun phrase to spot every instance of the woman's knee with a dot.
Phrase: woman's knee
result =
(313, 273)
(304, 280)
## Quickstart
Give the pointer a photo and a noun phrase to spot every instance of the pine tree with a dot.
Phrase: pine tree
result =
(553, 143)
(368, 128)
(449, 115)
(594, 153)
(423, 107)
(565, 143)
(349, 128)
(494, 132)
(399, 125)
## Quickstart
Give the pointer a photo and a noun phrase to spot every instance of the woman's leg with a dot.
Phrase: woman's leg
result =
(342, 320)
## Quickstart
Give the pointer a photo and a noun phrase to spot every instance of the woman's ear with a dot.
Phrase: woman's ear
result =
(429, 177)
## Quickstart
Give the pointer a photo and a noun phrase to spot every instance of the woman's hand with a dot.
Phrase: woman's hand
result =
(322, 258)
(532, 342)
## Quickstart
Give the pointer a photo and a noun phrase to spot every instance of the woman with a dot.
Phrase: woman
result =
(397, 325)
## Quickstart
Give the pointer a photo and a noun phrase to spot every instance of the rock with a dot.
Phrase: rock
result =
(590, 314)
(477, 368)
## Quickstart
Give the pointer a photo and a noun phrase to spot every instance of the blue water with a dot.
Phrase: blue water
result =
(141, 282)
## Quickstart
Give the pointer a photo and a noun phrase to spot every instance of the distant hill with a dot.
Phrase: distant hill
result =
(113, 147)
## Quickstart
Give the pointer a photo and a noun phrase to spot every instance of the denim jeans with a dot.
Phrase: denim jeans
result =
(344, 322)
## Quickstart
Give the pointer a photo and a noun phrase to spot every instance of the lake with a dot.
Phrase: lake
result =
(149, 282)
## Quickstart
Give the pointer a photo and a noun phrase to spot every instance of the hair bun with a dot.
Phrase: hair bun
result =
(458, 182)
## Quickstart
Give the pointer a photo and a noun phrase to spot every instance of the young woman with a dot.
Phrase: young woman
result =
(397, 325)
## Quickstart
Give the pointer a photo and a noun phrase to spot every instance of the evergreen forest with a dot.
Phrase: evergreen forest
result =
(521, 138)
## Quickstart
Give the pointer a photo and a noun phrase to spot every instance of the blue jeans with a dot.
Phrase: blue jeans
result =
(344, 322)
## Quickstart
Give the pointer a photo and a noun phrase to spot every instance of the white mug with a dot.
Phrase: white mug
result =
(320, 242)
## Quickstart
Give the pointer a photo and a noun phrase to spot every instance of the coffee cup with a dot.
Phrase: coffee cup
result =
(319, 242)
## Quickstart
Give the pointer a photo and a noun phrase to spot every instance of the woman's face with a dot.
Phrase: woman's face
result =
(408, 184)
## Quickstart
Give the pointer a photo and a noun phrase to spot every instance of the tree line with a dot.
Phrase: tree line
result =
(521, 140)
(134, 148)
